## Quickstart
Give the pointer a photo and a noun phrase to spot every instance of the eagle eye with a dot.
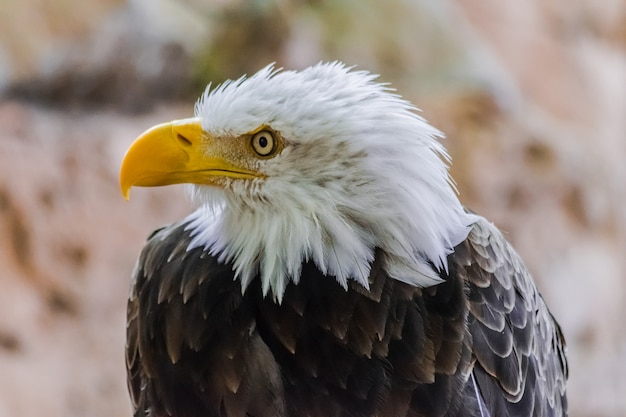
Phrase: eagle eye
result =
(263, 143)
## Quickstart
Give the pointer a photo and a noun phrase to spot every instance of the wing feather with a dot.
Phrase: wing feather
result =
(520, 365)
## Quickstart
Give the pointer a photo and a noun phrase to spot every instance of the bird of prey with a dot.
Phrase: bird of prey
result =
(330, 269)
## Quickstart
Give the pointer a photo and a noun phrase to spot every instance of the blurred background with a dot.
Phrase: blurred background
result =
(532, 96)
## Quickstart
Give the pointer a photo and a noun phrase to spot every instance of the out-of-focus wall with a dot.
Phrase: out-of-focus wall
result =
(532, 96)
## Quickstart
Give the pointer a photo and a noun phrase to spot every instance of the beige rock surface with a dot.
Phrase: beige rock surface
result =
(68, 243)
(532, 96)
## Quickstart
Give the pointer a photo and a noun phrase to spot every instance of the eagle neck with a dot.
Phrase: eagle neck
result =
(271, 243)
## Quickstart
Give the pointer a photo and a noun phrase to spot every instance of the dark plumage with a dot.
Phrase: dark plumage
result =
(198, 347)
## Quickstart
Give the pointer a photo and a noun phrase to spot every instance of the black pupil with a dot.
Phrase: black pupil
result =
(262, 141)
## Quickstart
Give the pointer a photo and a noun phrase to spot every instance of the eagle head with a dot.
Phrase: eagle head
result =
(324, 165)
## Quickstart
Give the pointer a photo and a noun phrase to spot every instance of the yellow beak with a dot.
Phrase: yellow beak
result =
(174, 153)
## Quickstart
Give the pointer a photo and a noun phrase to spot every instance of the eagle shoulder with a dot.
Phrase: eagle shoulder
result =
(518, 346)
(192, 343)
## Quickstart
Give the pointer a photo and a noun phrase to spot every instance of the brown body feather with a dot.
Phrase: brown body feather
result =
(482, 339)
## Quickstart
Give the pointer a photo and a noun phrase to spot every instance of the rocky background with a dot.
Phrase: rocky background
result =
(532, 96)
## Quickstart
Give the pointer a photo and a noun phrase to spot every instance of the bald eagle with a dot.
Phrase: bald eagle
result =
(330, 269)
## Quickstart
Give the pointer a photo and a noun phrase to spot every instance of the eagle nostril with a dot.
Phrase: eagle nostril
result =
(183, 140)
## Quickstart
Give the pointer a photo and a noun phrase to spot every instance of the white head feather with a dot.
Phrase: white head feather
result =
(360, 170)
